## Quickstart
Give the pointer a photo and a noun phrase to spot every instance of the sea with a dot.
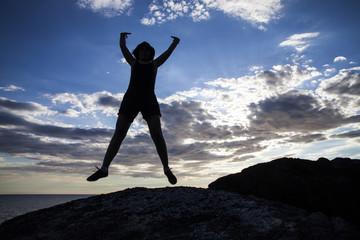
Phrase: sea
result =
(15, 205)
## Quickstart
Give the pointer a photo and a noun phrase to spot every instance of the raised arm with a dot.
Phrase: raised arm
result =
(125, 51)
(163, 57)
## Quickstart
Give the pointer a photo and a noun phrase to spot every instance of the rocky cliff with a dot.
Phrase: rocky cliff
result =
(331, 187)
(176, 213)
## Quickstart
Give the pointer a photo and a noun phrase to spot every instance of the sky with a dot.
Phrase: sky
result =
(250, 81)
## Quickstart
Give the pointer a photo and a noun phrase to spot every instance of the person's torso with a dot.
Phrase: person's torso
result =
(143, 76)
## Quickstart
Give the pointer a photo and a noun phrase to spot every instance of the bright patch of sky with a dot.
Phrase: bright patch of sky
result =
(250, 81)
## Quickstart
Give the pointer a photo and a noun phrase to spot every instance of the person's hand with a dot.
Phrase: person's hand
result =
(124, 34)
(176, 40)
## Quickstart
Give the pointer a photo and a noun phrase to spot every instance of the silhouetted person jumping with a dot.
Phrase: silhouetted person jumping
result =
(139, 97)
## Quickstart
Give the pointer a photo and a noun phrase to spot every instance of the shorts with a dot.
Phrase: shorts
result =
(137, 100)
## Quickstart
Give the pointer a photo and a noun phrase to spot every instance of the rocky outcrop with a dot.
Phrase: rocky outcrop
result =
(332, 187)
(176, 213)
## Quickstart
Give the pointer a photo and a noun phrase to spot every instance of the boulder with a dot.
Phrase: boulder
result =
(332, 187)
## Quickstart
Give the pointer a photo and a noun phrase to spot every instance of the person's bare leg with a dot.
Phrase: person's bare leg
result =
(154, 125)
(122, 127)
(158, 138)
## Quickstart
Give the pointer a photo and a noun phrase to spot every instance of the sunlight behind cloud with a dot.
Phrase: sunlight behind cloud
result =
(342, 91)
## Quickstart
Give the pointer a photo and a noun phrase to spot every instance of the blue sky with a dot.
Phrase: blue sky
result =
(250, 81)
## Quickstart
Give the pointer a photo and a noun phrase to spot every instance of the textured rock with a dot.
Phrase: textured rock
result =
(176, 213)
(332, 187)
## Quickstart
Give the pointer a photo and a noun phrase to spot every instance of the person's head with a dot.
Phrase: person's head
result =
(144, 52)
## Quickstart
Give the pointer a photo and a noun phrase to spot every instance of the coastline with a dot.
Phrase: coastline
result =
(13, 205)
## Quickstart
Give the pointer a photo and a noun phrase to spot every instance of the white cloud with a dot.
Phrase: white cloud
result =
(103, 102)
(27, 109)
(354, 69)
(257, 12)
(148, 21)
(12, 88)
(339, 59)
(71, 113)
(162, 11)
(329, 71)
(299, 41)
(342, 91)
(108, 8)
(255, 69)
(229, 98)
(199, 12)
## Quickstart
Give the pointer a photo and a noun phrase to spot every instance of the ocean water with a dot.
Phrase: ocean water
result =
(15, 205)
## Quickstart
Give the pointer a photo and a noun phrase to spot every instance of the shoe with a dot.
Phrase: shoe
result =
(171, 177)
(96, 175)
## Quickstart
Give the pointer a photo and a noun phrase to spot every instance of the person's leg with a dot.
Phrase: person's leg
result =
(158, 138)
(122, 126)
(154, 125)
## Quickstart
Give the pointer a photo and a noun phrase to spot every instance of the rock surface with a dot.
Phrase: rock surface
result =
(332, 187)
(176, 213)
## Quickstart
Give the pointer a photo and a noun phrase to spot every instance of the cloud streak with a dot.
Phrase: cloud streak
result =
(299, 41)
(12, 88)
